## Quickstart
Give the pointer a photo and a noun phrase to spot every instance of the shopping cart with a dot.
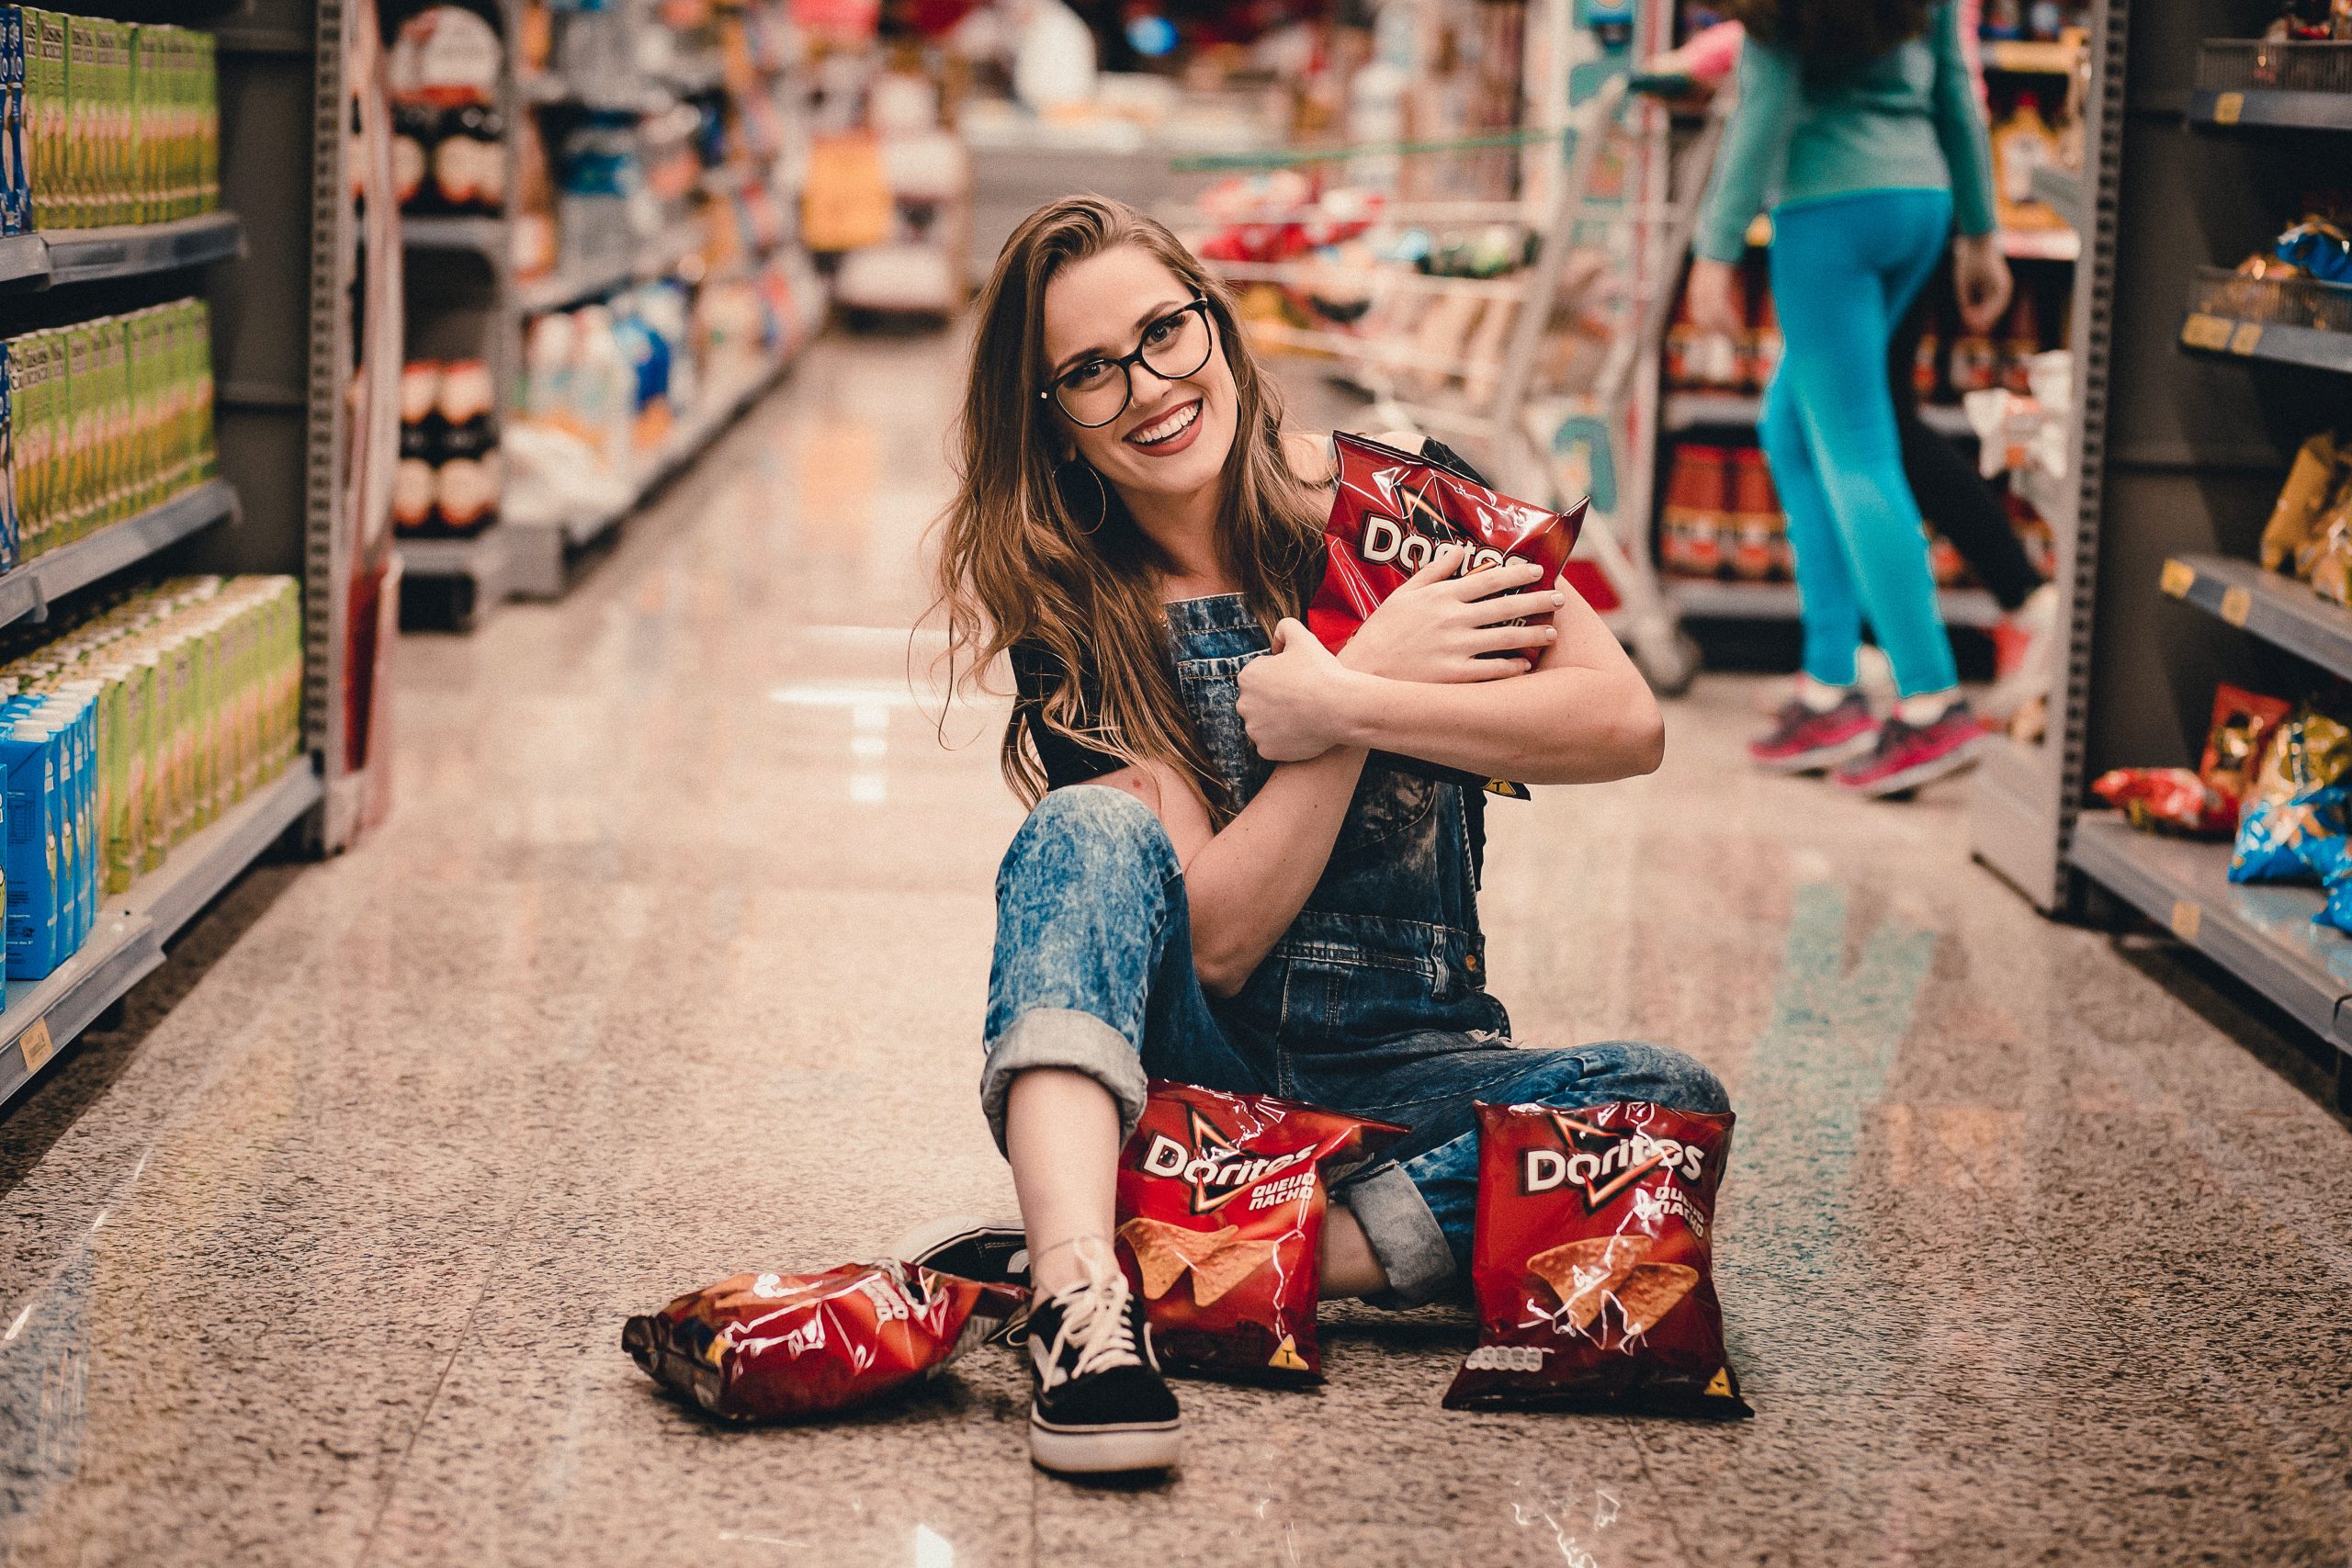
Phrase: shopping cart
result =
(1546, 369)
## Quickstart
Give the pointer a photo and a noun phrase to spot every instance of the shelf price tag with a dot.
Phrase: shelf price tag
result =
(2247, 338)
(36, 1046)
(2236, 604)
(2206, 332)
(2185, 917)
(2178, 579)
(2227, 108)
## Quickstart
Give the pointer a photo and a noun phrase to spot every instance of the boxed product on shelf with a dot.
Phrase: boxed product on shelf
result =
(111, 417)
(129, 730)
(116, 122)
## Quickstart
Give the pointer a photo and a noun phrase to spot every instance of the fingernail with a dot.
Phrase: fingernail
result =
(1551, 634)
(1559, 596)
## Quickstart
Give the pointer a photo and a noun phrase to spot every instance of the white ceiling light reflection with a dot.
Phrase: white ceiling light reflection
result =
(870, 705)
(932, 1549)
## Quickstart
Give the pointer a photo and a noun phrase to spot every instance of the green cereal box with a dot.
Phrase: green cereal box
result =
(84, 426)
(113, 390)
(201, 443)
(84, 89)
(25, 456)
(118, 206)
(10, 523)
(45, 131)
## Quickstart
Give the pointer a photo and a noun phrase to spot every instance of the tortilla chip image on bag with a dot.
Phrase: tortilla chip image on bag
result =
(1592, 1262)
(784, 1347)
(1392, 509)
(1221, 1201)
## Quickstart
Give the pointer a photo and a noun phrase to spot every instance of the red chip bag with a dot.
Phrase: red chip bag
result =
(2170, 799)
(1392, 509)
(1592, 1261)
(777, 1347)
(1221, 1201)
(2242, 726)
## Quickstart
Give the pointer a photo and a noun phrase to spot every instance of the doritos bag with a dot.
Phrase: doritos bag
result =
(776, 1347)
(1592, 1261)
(1392, 509)
(2297, 793)
(1221, 1201)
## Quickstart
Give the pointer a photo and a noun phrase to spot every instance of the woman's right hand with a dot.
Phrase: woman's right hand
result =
(1980, 277)
(1435, 625)
(1713, 294)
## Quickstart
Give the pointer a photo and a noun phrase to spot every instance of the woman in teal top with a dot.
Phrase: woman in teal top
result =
(1858, 124)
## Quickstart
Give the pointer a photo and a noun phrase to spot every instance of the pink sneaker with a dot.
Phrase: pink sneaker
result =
(1803, 741)
(1908, 756)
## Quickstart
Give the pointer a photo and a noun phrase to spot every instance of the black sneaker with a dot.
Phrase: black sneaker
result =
(973, 1250)
(1098, 1405)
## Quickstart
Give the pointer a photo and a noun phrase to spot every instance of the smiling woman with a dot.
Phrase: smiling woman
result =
(1239, 870)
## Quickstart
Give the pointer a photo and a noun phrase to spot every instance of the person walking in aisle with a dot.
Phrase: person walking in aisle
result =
(1858, 121)
(1228, 876)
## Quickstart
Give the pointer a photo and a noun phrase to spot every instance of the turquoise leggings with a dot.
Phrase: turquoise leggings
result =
(1844, 272)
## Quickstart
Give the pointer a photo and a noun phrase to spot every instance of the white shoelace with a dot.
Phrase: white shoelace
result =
(1094, 1316)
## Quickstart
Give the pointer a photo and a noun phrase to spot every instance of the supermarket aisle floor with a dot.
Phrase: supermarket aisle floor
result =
(671, 963)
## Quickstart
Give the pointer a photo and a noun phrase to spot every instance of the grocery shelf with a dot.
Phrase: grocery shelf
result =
(34, 585)
(481, 234)
(2280, 610)
(2031, 57)
(1738, 410)
(549, 87)
(2305, 86)
(1710, 599)
(657, 259)
(2289, 321)
(2260, 931)
(127, 942)
(539, 551)
(60, 256)
(484, 561)
(2061, 244)
(2060, 190)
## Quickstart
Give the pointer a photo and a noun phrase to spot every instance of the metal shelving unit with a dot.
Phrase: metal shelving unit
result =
(2280, 85)
(282, 345)
(2280, 610)
(1706, 599)
(1740, 411)
(28, 590)
(2182, 430)
(129, 250)
(520, 557)
(2060, 190)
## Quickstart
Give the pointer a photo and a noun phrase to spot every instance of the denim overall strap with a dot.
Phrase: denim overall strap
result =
(1388, 942)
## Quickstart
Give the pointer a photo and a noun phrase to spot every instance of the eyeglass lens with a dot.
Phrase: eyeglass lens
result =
(1172, 347)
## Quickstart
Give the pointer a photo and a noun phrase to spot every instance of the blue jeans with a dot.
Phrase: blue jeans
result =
(1094, 974)
(1844, 271)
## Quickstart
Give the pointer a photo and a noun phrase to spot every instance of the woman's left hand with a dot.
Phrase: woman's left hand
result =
(1292, 699)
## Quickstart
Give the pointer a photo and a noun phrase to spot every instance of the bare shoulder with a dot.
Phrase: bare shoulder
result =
(1309, 455)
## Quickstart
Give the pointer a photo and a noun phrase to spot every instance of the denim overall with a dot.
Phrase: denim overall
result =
(1372, 1002)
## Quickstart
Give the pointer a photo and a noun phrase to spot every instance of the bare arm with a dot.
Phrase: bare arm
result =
(1246, 884)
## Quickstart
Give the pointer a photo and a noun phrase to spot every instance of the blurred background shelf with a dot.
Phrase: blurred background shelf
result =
(56, 257)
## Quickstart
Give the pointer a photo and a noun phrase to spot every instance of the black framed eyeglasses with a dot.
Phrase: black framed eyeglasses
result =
(1095, 391)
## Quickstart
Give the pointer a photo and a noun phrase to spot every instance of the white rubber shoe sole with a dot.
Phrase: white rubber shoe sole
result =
(1104, 1450)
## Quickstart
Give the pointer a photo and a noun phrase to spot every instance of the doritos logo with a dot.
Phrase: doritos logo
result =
(1215, 1166)
(1407, 541)
(1602, 1162)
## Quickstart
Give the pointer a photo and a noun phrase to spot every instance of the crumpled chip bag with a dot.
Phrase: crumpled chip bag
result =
(2297, 793)
(781, 1346)
(2236, 737)
(1592, 1262)
(2168, 800)
(1393, 509)
(1221, 1200)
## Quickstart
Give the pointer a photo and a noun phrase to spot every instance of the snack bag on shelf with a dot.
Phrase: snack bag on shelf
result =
(2168, 799)
(1593, 1262)
(780, 1347)
(2296, 795)
(2242, 726)
(1221, 1200)
(2289, 535)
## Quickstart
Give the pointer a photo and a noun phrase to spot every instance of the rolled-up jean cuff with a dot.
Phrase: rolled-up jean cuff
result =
(1073, 1040)
(1404, 1235)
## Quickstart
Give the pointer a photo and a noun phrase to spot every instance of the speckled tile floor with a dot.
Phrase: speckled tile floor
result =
(2034, 1249)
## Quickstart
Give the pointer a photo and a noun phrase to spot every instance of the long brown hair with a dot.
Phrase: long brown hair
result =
(1020, 563)
(1830, 36)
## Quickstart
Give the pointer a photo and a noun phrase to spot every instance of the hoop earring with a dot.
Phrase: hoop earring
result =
(1102, 494)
